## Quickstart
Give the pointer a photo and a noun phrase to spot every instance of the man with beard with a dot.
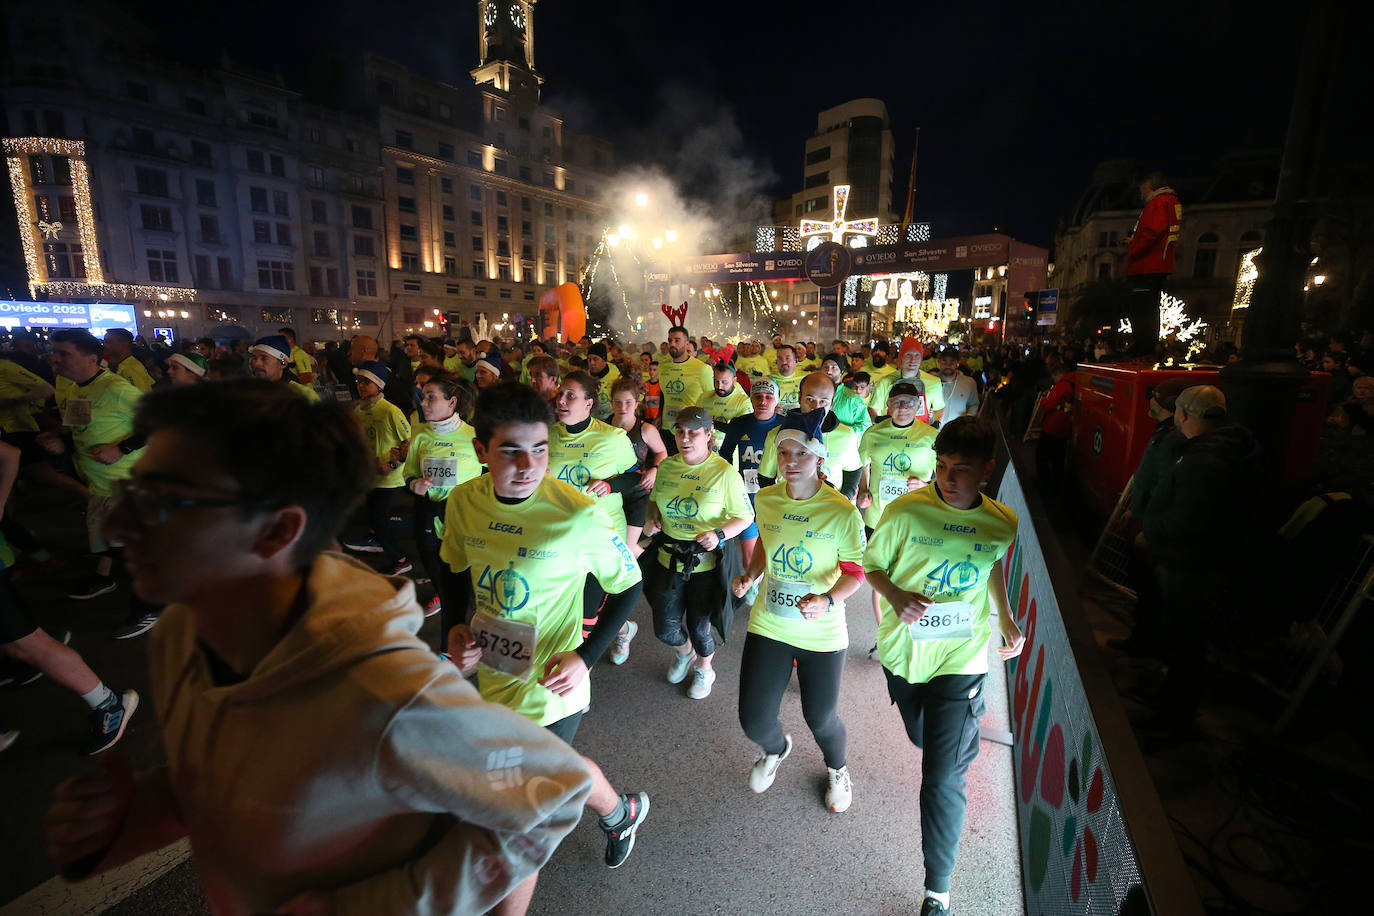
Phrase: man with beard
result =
(683, 380)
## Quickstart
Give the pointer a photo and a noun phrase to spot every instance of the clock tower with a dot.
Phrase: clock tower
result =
(506, 47)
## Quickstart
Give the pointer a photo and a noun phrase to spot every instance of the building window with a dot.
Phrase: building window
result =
(405, 139)
(503, 271)
(480, 291)
(351, 144)
(323, 316)
(409, 233)
(364, 318)
(816, 180)
(474, 159)
(209, 230)
(405, 204)
(446, 185)
(405, 175)
(205, 192)
(65, 260)
(200, 153)
(281, 203)
(1104, 270)
(477, 243)
(152, 182)
(502, 224)
(319, 211)
(529, 295)
(257, 200)
(474, 192)
(314, 176)
(283, 234)
(448, 212)
(501, 168)
(158, 219)
(526, 174)
(162, 265)
(367, 282)
(548, 179)
(66, 209)
(411, 286)
(445, 111)
(453, 289)
(479, 268)
(818, 155)
(505, 293)
(226, 274)
(548, 210)
(144, 140)
(526, 228)
(502, 248)
(451, 266)
(450, 239)
(1205, 260)
(410, 262)
(477, 217)
(362, 217)
(364, 246)
(262, 232)
(321, 243)
(256, 161)
(446, 152)
(501, 199)
(817, 203)
(278, 166)
(276, 275)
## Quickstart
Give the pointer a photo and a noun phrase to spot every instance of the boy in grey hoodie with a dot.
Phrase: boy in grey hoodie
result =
(320, 757)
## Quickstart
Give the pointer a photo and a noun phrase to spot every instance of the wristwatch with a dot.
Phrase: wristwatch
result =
(720, 534)
(830, 601)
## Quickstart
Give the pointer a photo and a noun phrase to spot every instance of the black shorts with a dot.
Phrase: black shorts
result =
(15, 623)
(566, 728)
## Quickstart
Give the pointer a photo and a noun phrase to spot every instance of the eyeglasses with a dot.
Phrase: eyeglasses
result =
(151, 508)
(907, 403)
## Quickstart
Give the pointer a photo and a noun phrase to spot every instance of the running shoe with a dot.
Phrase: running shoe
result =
(620, 839)
(766, 768)
(702, 681)
(7, 738)
(620, 649)
(368, 545)
(402, 566)
(840, 792)
(932, 907)
(136, 626)
(873, 654)
(434, 606)
(678, 670)
(110, 720)
(92, 587)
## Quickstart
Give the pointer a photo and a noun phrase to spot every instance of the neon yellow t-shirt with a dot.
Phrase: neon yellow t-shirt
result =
(305, 391)
(599, 452)
(934, 394)
(133, 372)
(770, 356)
(754, 365)
(894, 453)
(385, 428)
(683, 385)
(449, 458)
(695, 498)
(789, 390)
(925, 545)
(610, 378)
(841, 447)
(804, 542)
(15, 382)
(725, 409)
(529, 561)
(300, 362)
(807, 363)
(107, 402)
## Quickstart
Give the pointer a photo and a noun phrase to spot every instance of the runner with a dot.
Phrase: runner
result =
(119, 358)
(849, 407)
(385, 428)
(268, 359)
(32, 653)
(931, 406)
(606, 374)
(743, 448)
(187, 368)
(440, 457)
(813, 547)
(627, 413)
(543, 372)
(936, 560)
(527, 540)
(488, 369)
(653, 394)
(788, 379)
(725, 401)
(683, 379)
(698, 504)
(302, 363)
(320, 758)
(841, 466)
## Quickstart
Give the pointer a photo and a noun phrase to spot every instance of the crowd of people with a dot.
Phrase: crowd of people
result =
(551, 486)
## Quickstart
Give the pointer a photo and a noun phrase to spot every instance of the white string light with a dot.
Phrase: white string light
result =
(1245, 279)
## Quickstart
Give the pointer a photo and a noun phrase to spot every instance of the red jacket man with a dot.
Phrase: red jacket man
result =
(1150, 251)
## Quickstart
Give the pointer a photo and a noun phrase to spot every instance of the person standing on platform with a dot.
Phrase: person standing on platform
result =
(683, 381)
(743, 448)
(936, 559)
(811, 561)
(1150, 251)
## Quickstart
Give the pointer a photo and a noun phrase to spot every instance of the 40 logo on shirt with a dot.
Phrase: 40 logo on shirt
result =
(683, 507)
(792, 561)
(675, 386)
(504, 589)
(576, 474)
(900, 462)
(951, 578)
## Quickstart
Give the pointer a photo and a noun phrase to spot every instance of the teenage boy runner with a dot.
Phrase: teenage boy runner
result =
(320, 757)
(936, 559)
(813, 547)
(528, 542)
(386, 428)
(743, 448)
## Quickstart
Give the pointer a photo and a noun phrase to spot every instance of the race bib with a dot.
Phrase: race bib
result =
(442, 472)
(947, 620)
(77, 412)
(889, 488)
(751, 479)
(781, 597)
(508, 646)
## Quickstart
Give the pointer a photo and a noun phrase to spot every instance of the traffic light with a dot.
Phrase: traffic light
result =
(1028, 307)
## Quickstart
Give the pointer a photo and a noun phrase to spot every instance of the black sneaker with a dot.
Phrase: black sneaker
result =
(136, 626)
(621, 838)
(932, 907)
(110, 721)
(92, 587)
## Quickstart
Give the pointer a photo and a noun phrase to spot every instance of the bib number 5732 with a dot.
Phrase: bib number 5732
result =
(507, 646)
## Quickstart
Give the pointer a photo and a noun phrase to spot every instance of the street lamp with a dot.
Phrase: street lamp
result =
(642, 199)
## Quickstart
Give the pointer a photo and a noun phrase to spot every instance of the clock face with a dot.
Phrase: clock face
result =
(489, 16)
(517, 16)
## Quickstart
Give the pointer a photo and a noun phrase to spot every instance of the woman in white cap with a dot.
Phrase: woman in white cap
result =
(812, 541)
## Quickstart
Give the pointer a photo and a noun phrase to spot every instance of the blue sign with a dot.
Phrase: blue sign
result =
(99, 317)
(737, 268)
(1049, 300)
(828, 264)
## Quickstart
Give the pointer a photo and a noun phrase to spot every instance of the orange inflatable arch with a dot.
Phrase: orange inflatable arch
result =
(564, 313)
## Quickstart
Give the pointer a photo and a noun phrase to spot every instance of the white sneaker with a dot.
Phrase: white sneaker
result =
(702, 679)
(766, 768)
(620, 649)
(678, 669)
(840, 793)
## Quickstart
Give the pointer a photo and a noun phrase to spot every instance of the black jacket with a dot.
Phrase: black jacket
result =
(1199, 515)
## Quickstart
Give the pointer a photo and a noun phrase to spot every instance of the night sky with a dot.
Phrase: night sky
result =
(1016, 102)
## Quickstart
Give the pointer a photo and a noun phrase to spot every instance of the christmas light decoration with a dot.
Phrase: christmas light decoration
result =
(48, 229)
(1245, 279)
(1173, 320)
(939, 286)
(75, 289)
(19, 184)
(75, 151)
(890, 233)
(838, 227)
(765, 237)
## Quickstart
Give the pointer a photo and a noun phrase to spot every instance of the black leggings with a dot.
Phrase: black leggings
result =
(380, 501)
(765, 671)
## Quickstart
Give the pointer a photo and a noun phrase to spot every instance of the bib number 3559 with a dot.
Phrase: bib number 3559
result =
(508, 646)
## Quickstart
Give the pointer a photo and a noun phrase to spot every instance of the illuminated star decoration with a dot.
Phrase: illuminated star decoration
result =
(839, 227)
(49, 229)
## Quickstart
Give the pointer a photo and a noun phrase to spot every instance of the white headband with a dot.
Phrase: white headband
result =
(269, 351)
(367, 374)
(181, 359)
(815, 446)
